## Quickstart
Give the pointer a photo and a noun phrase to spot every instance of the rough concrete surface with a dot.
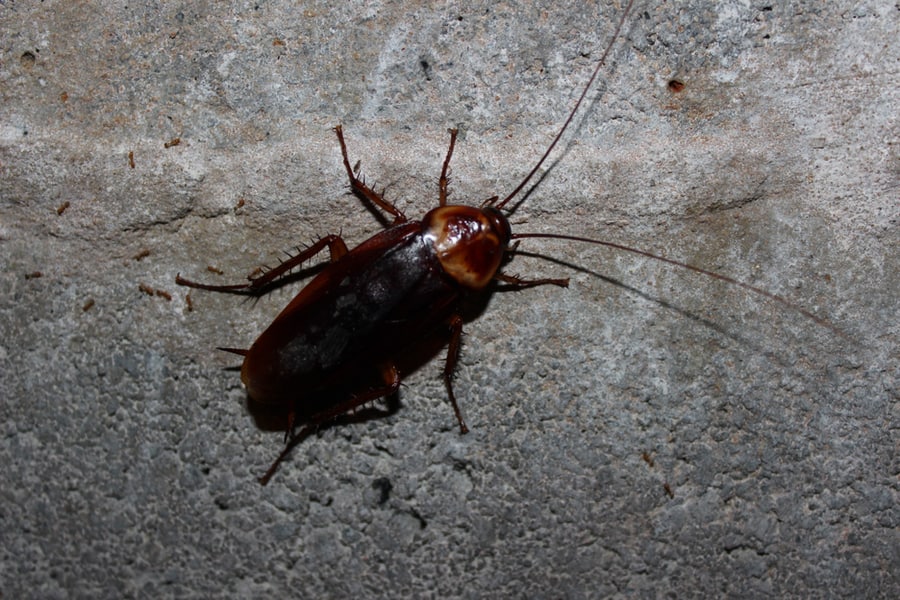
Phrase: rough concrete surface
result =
(647, 432)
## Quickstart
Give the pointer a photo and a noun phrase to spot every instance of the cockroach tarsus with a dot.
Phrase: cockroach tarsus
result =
(350, 335)
(88, 305)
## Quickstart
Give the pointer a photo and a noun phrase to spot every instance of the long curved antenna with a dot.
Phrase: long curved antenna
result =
(574, 110)
(774, 297)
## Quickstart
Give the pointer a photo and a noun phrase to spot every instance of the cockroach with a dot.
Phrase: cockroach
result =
(34, 275)
(62, 207)
(346, 338)
(88, 305)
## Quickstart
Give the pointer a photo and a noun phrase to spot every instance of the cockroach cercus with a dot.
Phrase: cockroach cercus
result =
(346, 338)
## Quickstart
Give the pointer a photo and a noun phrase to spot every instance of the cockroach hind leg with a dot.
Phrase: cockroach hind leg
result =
(291, 424)
(391, 377)
(240, 288)
(265, 282)
(456, 324)
(269, 280)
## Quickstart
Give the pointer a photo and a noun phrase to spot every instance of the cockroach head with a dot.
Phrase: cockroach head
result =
(469, 242)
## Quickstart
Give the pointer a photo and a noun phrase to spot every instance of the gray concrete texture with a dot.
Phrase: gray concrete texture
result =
(647, 432)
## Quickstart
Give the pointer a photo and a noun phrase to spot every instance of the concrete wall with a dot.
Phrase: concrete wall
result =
(647, 431)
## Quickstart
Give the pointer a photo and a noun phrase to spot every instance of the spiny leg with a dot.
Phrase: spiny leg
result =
(358, 187)
(391, 377)
(456, 324)
(442, 184)
(261, 284)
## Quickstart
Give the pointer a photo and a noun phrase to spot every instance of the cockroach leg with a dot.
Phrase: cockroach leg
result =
(519, 283)
(266, 281)
(442, 184)
(456, 325)
(361, 190)
(391, 376)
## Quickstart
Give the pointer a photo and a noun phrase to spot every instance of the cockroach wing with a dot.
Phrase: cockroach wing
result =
(356, 316)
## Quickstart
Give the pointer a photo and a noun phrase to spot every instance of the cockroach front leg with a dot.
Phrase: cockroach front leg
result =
(361, 190)
(520, 283)
(264, 283)
(456, 325)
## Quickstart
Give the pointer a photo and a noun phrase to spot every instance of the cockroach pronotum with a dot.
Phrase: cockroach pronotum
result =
(350, 334)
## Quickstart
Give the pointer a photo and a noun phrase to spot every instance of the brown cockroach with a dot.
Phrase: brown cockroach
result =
(348, 336)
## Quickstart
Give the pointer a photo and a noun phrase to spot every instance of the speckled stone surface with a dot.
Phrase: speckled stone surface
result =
(646, 432)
